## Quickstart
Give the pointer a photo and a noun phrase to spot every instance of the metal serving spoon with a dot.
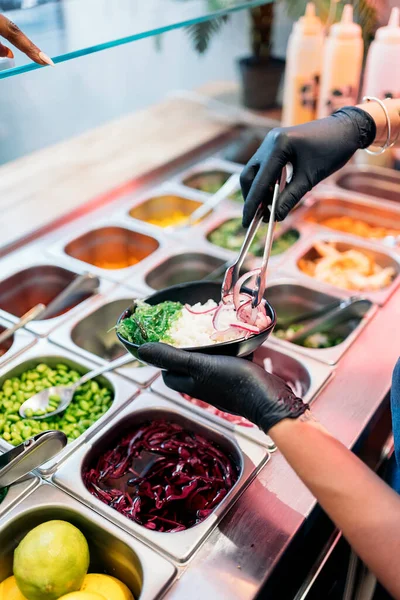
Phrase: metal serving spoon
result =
(40, 401)
(29, 316)
(84, 283)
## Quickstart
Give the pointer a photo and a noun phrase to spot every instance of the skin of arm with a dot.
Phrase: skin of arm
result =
(365, 509)
(376, 112)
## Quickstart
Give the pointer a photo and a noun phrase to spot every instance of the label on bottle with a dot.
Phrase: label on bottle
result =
(306, 100)
(339, 97)
(393, 95)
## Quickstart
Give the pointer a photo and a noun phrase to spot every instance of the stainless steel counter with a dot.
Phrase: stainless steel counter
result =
(237, 555)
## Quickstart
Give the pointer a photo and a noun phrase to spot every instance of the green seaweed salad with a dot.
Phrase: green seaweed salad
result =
(150, 323)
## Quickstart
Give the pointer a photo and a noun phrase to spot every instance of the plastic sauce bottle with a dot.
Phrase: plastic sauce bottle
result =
(341, 70)
(303, 69)
(382, 72)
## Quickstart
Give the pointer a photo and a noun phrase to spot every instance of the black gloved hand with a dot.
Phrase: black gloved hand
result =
(231, 384)
(316, 150)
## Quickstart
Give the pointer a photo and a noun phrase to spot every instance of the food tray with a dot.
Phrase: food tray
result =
(312, 376)
(384, 257)
(231, 213)
(287, 291)
(330, 204)
(209, 165)
(365, 180)
(44, 351)
(141, 206)
(86, 333)
(17, 492)
(112, 551)
(20, 341)
(105, 236)
(25, 259)
(191, 257)
(179, 545)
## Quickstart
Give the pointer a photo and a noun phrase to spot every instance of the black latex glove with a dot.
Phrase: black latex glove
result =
(316, 150)
(231, 384)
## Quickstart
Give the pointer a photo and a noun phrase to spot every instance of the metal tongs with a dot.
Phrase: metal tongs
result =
(232, 273)
(19, 461)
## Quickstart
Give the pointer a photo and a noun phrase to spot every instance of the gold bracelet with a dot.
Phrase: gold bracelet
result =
(387, 144)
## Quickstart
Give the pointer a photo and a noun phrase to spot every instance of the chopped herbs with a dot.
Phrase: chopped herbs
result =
(150, 323)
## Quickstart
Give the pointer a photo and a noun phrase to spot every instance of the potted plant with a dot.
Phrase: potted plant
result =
(260, 72)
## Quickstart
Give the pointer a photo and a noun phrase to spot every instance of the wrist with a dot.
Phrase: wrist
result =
(363, 123)
(286, 407)
(289, 427)
(374, 110)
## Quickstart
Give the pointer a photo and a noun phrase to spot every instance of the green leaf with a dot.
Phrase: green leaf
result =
(200, 34)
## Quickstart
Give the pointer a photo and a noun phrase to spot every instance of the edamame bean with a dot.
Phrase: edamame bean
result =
(90, 402)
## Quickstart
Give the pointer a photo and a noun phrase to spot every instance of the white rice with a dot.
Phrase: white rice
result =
(190, 330)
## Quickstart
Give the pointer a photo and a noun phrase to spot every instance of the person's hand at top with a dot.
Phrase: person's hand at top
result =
(14, 35)
(230, 384)
(315, 150)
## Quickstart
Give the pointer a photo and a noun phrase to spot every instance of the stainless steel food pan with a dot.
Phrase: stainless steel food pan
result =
(112, 551)
(20, 341)
(370, 181)
(49, 353)
(28, 278)
(17, 492)
(111, 244)
(384, 258)
(91, 335)
(179, 545)
(329, 205)
(290, 298)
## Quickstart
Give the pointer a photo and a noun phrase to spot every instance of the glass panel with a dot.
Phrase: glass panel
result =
(72, 28)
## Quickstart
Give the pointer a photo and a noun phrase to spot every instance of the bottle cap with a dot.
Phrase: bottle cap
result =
(6, 63)
(346, 28)
(391, 32)
(309, 24)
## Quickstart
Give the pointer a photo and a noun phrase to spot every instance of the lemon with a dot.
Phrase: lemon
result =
(82, 596)
(9, 590)
(107, 586)
(51, 561)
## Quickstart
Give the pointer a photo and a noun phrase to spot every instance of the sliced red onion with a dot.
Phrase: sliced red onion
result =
(239, 283)
(217, 313)
(200, 312)
(245, 327)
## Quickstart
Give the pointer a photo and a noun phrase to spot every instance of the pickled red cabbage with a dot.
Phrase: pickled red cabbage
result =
(162, 476)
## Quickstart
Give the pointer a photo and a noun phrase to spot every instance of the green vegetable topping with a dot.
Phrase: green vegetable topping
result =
(150, 323)
(94, 399)
(230, 235)
(320, 340)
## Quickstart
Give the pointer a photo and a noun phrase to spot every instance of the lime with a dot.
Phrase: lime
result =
(51, 561)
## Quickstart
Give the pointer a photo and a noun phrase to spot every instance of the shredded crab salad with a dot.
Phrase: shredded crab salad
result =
(189, 326)
(350, 269)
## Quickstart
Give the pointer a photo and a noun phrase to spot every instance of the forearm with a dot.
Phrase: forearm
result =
(376, 112)
(362, 506)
